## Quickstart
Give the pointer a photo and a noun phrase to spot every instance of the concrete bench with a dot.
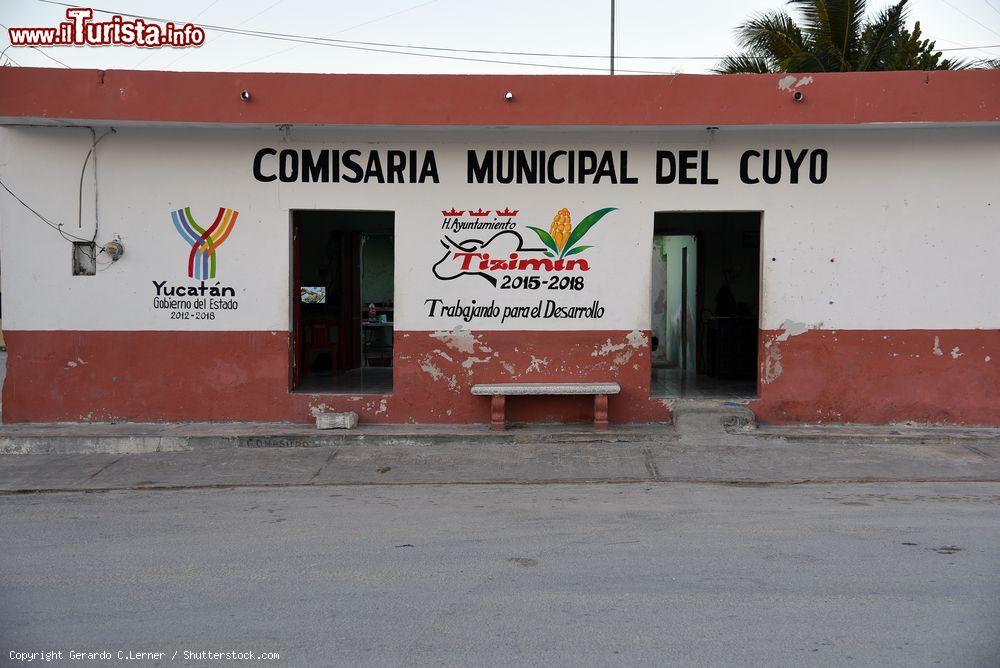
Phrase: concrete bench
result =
(500, 391)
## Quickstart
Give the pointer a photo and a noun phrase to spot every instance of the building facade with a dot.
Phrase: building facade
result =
(301, 243)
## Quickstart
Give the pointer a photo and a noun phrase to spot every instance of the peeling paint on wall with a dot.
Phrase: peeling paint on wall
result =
(469, 361)
(536, 364)
(72, 364)
(607, 348)
(441, 353)
(791, 328)
(879, 376)
(427, 366)
(621, 360)
(791, 82)
(636, 339)
(261, 392)
(772, 363)
(316, 409)
(460, 339)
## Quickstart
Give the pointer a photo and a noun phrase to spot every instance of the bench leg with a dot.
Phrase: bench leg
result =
(600, 411)
(498, 405)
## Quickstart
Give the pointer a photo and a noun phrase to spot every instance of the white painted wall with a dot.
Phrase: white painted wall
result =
(909, 216)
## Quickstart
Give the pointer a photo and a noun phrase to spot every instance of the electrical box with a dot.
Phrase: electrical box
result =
(84, 258)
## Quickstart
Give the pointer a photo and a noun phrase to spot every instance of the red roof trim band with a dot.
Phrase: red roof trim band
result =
(37, 94)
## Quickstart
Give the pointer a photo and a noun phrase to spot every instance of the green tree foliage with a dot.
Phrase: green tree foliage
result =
(832, 36)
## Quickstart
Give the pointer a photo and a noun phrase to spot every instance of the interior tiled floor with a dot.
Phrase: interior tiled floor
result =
(688, 384)
(366, 380)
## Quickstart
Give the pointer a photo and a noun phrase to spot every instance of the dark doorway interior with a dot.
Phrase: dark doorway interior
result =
(342, 299)
(705, 304)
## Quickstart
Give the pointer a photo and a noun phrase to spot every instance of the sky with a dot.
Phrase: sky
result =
(680, 34)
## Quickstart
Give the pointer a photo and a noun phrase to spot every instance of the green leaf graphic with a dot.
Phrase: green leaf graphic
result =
(546, 239)
(576, 249)
(583, 227)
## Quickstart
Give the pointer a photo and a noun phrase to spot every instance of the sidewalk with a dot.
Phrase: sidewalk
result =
(133, 438)
(182, 456)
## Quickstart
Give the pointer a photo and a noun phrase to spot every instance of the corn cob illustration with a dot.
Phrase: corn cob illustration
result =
(561, 228)
(562, 239)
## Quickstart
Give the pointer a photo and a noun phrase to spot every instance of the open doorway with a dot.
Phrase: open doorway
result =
(342, 301)
(705, 304)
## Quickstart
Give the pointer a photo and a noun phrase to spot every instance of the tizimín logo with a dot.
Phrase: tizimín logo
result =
(204, 242)
(507, 250)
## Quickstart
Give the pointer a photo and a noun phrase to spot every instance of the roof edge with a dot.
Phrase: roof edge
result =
(37, 95)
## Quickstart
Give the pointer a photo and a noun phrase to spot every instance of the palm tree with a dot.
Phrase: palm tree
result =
(832, 36)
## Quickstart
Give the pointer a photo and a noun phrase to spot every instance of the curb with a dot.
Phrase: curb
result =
(721, 482)
(700, 425)
(62, 441)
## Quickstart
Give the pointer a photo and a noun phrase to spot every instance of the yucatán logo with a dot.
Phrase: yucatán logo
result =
(203, 300)
(507, 251)
(204, 243)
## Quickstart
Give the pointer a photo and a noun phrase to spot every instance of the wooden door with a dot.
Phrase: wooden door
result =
(295, 341)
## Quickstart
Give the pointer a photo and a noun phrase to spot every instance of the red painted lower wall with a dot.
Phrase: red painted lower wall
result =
(880, 376)
(55, 376)
(873, 376)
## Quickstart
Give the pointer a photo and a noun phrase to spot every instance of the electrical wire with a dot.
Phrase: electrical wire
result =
(242, 23)
(970, 48)
(53, 59)
(295, 37)
(93, 151)
(470, 60)
(974, 20)
(362, 46)
(965, 47)
(338, 32)
(56, 226)
(153, 52)
(8, 57)
(341, 45)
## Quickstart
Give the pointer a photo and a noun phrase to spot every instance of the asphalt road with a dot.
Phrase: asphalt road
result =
(904, 574)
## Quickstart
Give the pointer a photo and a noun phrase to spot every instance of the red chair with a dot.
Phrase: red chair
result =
(319, 338)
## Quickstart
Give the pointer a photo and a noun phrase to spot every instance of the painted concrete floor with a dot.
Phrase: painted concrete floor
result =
(366, 380)
(686, 384)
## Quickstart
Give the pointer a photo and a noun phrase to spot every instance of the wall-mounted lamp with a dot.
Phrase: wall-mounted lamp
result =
(245, 95)
(508, 96)
(115, 249)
